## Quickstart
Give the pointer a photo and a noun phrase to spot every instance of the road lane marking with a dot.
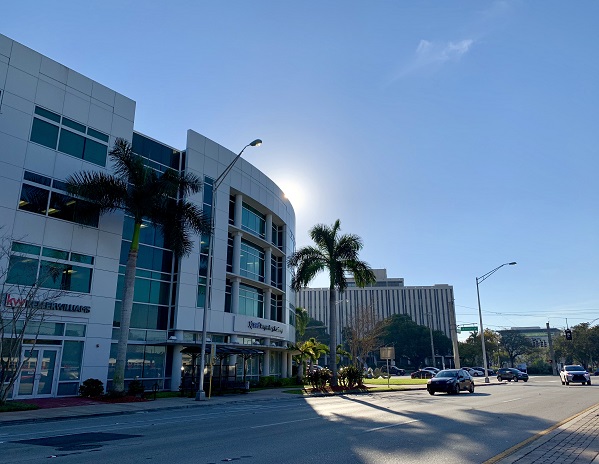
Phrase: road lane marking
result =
(392, 425)
(509, 401)
(283, 423)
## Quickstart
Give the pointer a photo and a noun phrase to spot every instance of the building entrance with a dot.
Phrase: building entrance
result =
(37, 378)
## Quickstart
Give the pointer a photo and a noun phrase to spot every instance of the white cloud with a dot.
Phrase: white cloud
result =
(431, 55)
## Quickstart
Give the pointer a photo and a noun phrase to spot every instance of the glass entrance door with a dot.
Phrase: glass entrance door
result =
(37, 376)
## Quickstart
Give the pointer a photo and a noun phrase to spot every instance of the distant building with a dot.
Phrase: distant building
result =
(426, 305)
(537, 335)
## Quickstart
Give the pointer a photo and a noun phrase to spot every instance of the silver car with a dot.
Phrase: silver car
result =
(574, 373)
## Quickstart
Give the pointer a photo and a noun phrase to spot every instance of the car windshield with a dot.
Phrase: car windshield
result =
(574, 368)
(447, 374)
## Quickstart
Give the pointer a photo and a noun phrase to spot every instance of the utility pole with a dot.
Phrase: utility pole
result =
(430, 326)
(551, 353)
(453, 329)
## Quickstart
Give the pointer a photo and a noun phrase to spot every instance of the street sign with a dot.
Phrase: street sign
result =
(388, 352)
(473, 328)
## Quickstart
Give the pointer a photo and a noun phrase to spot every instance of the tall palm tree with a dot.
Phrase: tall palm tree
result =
(146, 195)
(338, 254)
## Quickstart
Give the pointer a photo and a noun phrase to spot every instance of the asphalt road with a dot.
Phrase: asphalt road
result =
(377, 428)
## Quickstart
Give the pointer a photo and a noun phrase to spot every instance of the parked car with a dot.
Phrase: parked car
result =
(393, 370)
(574, 373)
(482, 369)
(450, 381)
(475, 372)
(597, 372)
(511, 373)
(434, 370)
(422, 374)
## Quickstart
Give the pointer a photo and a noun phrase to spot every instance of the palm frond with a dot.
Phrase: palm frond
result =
(107, 192)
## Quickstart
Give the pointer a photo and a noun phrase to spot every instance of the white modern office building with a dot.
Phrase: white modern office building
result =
(55, 122)
(426, 305)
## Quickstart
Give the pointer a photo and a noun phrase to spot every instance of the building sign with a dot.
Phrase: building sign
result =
(387, 352)
(18, 302)
(265, 327)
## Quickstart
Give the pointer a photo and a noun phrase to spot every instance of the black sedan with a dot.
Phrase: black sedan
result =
(511, 373)
(450, 381)
(422, 374)
(394, 370)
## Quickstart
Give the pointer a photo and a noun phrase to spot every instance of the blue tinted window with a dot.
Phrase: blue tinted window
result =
(97, 134)
(47, 114)
(33, 199)
(38, 179)
(44, 133)
(73, 125)
(95, 152)
(71, 143)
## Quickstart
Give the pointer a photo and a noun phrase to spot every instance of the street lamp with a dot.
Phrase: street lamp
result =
(201, 395)
(480, 315)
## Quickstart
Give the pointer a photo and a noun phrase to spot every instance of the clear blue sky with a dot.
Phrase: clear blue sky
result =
(451, 136)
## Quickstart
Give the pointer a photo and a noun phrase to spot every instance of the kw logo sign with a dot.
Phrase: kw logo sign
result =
(18, 302)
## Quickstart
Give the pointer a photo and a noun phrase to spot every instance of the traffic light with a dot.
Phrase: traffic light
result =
(568, 334)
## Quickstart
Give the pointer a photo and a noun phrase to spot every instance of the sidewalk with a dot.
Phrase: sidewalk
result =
(574, 440)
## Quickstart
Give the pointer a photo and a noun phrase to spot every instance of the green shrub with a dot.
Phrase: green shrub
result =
(288, 382)
(319, 378)
(135, 388)
(91, 388)
(351, 376)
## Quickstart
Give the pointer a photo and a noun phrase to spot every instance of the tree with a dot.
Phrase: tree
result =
(147, 196)
(25, 296)
(471, 349)
(412, 340)
(339, 256)
(583, 348)
(363, 332)
(301, 321)
(514, 344)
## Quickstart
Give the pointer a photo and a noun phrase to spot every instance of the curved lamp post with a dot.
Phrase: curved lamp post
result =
(480, 315)
(201, 395)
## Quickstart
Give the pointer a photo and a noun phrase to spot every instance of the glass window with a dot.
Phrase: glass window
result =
(135, 360)
(57, 254)
(22, 271)
(52, 275)
(252, 261)
(18, 247)
(44, 133)
(33, 199)
(72, 354)
(201, 295)
(75, 330)
(73, 125)
(97, 134)
(154, 361)
(253, 221)
(79, 258)
(95, 152)
(38, 179)
(78, 279)
(71, 143)
(251, 301)
(47, 114)
(65, 277)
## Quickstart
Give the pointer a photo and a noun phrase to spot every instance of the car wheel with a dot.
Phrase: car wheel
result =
(471, 389)
(567, 383)
(499, 379)
(430, 392)
(589, 382)
(526, 380)
(456, 390)
(563, 383)
(516, 379)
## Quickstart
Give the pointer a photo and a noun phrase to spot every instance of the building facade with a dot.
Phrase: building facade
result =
(55, 122)
(388, 296)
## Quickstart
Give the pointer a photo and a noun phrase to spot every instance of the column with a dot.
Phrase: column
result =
(269, 228)
(284, 373)
(289, 364)
(238, 210)
(267, 265)
(236, 252)
(235, 295)
(266, 365)
(176, 370)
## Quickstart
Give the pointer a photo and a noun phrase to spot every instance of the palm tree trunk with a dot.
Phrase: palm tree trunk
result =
(333, 334)
(118, 380)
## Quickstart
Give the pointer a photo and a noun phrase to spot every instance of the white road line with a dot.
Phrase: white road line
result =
(392, 425)
(282, 423)
(509, 401)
